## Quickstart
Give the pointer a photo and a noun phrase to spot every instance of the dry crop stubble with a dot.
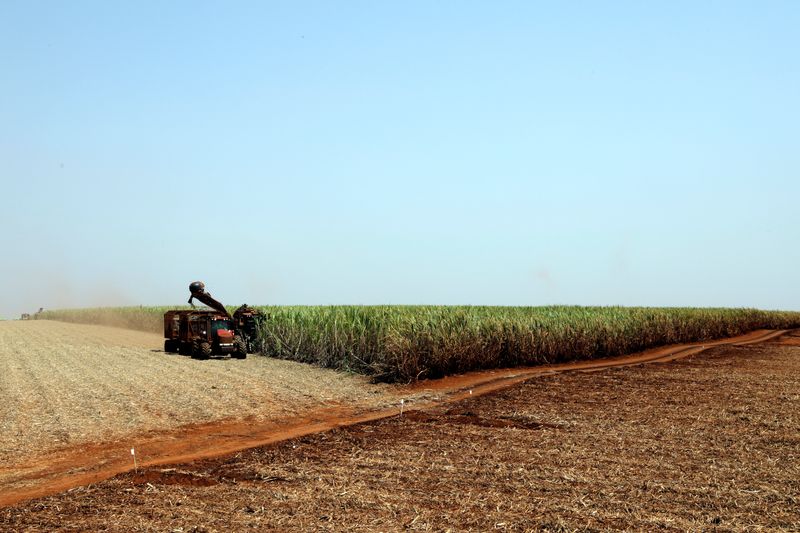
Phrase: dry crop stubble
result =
(62, 385)
(708, 443)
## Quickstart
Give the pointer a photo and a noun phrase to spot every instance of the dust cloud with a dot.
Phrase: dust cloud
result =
(52, 289)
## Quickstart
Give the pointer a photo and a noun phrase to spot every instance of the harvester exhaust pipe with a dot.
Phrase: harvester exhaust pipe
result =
(198, 290)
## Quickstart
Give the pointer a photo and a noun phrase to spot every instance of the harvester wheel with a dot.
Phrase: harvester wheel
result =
(169, 346)
(240, 351)
(198, 351)
(205, 350)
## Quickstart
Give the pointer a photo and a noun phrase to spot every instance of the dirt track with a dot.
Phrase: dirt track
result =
(54, 469)
(701, 443)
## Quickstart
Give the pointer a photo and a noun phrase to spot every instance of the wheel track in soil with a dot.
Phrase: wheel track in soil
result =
(92, 463)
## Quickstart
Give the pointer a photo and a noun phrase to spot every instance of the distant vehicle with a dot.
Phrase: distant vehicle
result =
(34, 316)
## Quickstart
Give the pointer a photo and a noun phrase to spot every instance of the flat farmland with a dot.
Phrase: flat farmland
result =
(65, 386)
(705, 437)
(703, 443)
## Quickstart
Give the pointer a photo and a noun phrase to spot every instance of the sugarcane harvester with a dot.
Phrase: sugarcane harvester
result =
(203, 333)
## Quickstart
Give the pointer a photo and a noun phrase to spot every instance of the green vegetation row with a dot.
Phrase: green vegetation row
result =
(404, 343)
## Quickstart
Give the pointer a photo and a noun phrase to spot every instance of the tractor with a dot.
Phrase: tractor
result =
(203, 333)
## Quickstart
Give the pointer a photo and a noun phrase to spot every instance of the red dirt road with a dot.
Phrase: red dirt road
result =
(83, 465)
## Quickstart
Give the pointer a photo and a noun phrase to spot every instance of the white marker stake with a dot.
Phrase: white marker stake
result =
(135, 466)
(401, 407)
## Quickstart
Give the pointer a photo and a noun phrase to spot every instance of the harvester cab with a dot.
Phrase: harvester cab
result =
(248, 322)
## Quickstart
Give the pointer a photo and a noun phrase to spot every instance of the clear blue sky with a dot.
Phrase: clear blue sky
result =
(511, 153)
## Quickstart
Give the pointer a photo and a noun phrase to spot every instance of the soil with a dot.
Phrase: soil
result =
(703, 442)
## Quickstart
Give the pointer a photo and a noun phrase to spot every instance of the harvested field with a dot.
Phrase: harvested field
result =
(65, 385)
(704, 443)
